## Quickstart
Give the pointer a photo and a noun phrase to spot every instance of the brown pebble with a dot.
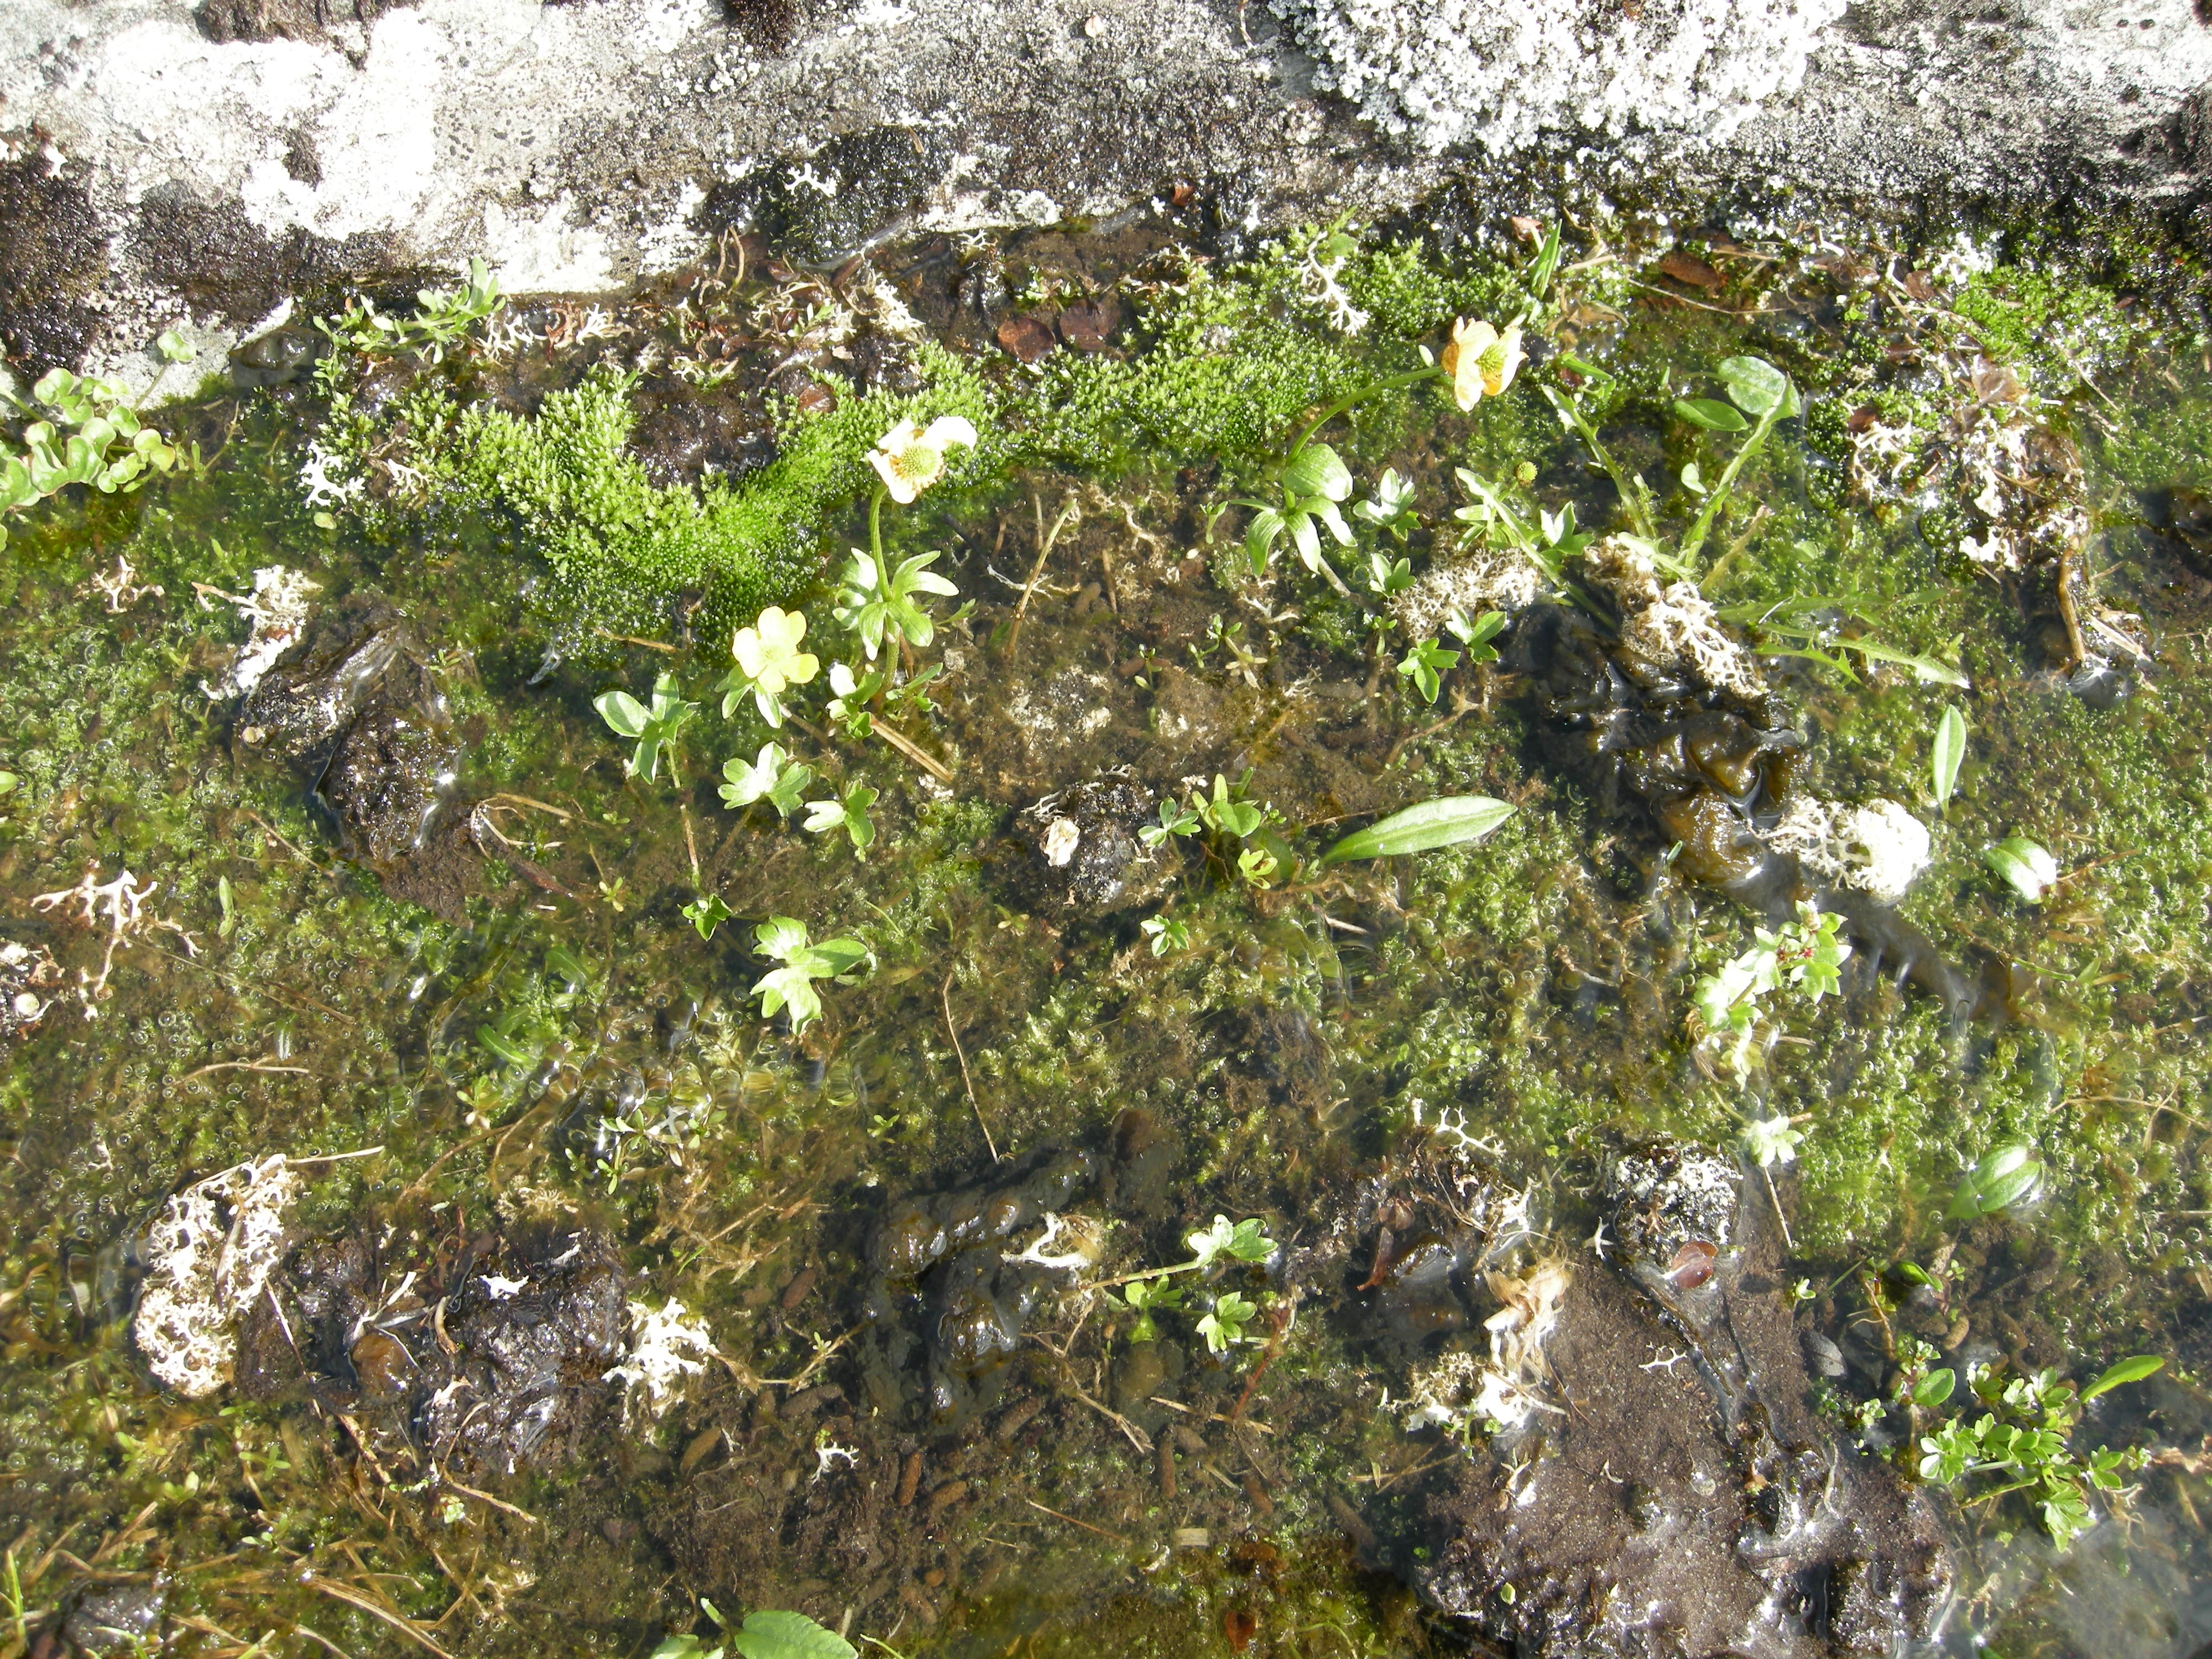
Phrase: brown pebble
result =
(1167, 1470)
(1258, 1494)
(1026, 338)
(951, 1492)
(910, 1479)
(701, 1447)
(933, 1577)
(1361, 1534)
(382, 1363)
(1017, 1419)
(912, 1596)
(1194, 1444)
(801, 1285)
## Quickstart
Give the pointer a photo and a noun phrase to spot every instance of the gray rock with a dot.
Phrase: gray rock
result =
(166, 159)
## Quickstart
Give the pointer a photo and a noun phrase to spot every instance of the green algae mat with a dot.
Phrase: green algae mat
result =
(1088, 944)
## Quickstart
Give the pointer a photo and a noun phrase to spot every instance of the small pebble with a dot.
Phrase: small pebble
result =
(1095, 28)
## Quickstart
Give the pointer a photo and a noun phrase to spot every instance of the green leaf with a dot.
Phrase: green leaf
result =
(1447, 821)
(1317, 469)
(1933, 1390)
(1758, 388)
(789, 1636)
(2024, 865)
(1949, 753)
(707, 913)
(2128, 1370)
(1711, 414)
(624, 712)
(1548, 262)
(1260, 537)
(2011, 1175)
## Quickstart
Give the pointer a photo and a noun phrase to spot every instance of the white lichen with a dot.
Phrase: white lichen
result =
(275, 612)
(1877, 849)
(1061, 837)
(208, 1257)
(1501, 72)
(1476, 580)
(666, 1344)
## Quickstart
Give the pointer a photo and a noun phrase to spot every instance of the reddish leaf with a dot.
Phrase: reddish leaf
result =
(1026, 338)
(1689, 269)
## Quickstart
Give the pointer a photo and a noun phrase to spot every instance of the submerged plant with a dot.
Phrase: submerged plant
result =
(848, 812)
(783, 939)
(878, 600)
(1807, 954)
(88, 433)
(764, 1635)
(772, 776)
(1447, 821)
(653, 729)
(2025, 866)
(2024, 1437)
(2006, 1177)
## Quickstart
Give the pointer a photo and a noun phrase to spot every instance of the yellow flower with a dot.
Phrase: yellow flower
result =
(769, 662)
(1481, 361)
(910, 459)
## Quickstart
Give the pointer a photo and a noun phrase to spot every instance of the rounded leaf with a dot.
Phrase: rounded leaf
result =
(1758, 388)
(1317, 469)
(775, 1635)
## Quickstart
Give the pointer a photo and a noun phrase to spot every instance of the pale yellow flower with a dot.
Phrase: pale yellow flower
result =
(909, 459)
(769, 662)
(1480, 361)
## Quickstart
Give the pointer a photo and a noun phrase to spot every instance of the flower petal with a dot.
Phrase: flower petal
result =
(895, 481)
(949, 430)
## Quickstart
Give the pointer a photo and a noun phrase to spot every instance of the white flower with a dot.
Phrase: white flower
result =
(1480, 361)
(909, 459)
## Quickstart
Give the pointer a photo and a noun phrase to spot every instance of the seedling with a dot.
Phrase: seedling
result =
(1390, 509)
(707, 913)
(1314, 482)
(653, 729)
(772, 776)
(1807, 954)
(2006, 1178)
(848, 812)
(1166, 933)
(1425, 666)
(783, 939)
(2025, 866)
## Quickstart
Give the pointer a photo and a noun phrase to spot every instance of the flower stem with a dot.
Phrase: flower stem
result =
(876, 528)
(1390, 383)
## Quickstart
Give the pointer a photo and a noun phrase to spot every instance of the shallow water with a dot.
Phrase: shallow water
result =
(522, 1023)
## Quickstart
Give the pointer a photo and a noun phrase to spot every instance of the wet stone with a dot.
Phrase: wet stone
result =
(114, 1617)
(358, 706)
(28, 978)
(852, 190)
(1088, 853)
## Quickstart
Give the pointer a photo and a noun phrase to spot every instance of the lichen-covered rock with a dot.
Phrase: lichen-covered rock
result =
(1445, 72)
(207, 1256)
(1088, 852)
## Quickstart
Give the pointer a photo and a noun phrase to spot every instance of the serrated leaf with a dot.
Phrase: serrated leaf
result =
(1950, 751)
(1447, 821)
(2128, 1370)
(1710, 413)
(772, 1635)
